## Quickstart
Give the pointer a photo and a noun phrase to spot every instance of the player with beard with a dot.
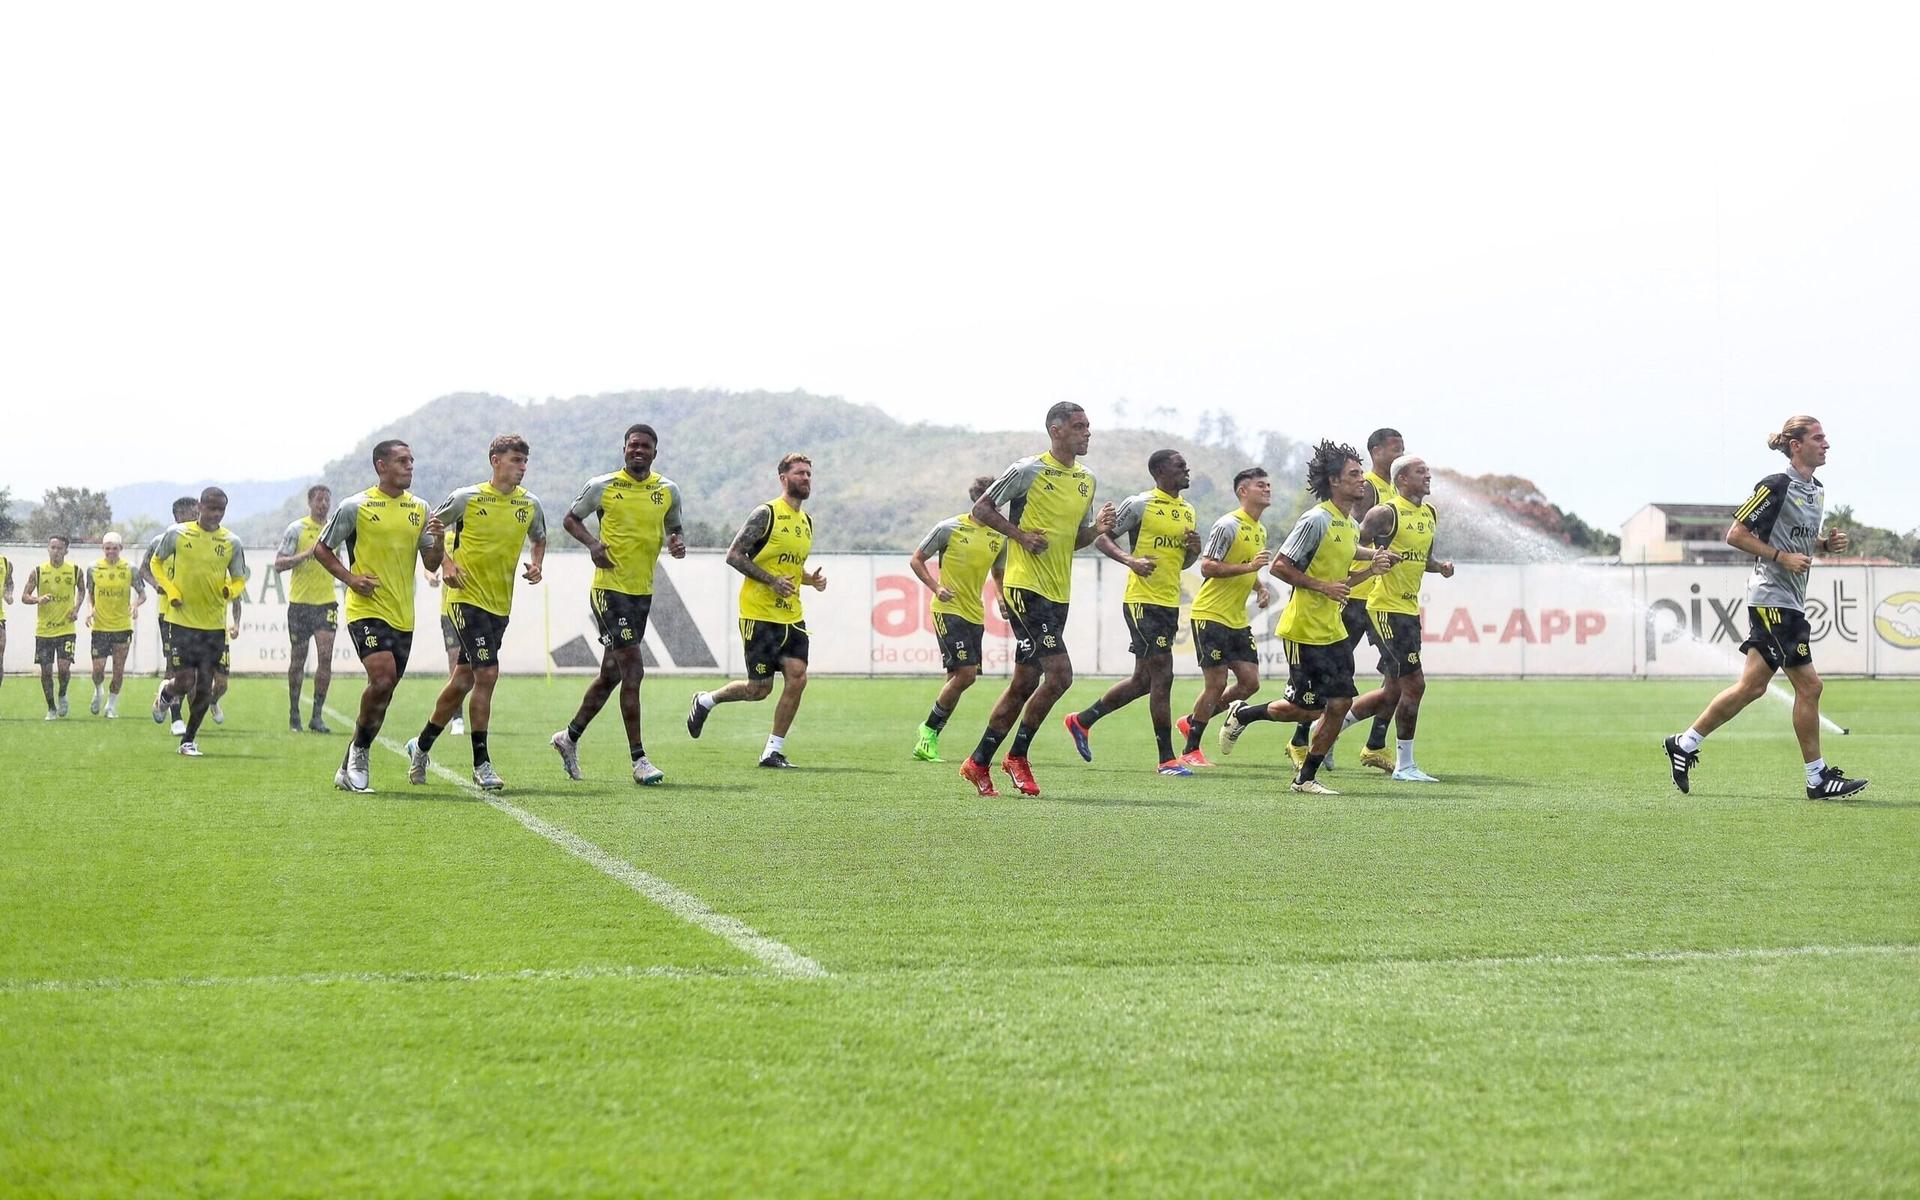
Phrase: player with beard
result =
(55, 588)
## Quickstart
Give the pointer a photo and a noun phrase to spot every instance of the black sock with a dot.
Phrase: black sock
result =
(989, 742)
(1308, 768)
(937, 719)
(429, 734)
(174, 706)
(319, 703)
(1254, 712)
(194, 717)
(362, 736)
(1195, 727)
(479, 747)
(636, 752)
(1302, 733)
(1022, 739)
(1377, 736)
(1163, 739)
(575, 730)
(1091, 713)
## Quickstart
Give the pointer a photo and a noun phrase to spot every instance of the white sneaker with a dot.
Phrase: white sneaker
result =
(219, 718)
(160, 704)
(353, 776)
(54, 716)
(63, 705)
(189, 750)
(1413, 775)
(418, 761)
(646, 773)
(94, 707)
(1231, 728)
(1313, 787)
(485, 779)
(179, 728)
(569, 753)
(458, 728)
(113, 707)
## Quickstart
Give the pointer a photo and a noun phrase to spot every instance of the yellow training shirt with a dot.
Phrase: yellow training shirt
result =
(380, 535)
(204, 569)
(1235, 539)
(486, 529)
(1158, 525)
(636, 515)
(112, 586)
(1041, 496)
(967, 552)
(309, 582)
(63, 584)
(1321, 544)
(1384, 490)
(783, 554)
(1399, 588)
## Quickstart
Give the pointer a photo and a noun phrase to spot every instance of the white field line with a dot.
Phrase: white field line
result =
(326, 979)
(1728, 954)
(779, 957)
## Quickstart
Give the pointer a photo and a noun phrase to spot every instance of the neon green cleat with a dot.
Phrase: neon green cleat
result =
(1298, 754)
(927, 749)
(1378, 759)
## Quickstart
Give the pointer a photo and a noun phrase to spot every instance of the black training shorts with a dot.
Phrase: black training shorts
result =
(480, 633)
(103, 642)
(1317, 674)
(1353, 615)
(1781, 635)
(1397, 635)
(373, 636)
(1039, 625)
(767, 642)
(1216, 645)
(50, 650)
(305, 620)
(621, 617)
(1151, 628)
(959, 641)
(198, 649)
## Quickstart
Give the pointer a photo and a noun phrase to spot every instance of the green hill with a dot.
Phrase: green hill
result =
(879, 483)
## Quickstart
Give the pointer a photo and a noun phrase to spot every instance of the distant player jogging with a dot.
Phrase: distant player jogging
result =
(1779, 524)
(966, 552)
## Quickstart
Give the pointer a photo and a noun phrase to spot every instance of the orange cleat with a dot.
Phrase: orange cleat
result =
(1021, 772)
(1196, 758)
(979, 777)
(1184, 725)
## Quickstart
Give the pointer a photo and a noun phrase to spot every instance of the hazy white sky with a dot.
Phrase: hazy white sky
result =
(1608, 247)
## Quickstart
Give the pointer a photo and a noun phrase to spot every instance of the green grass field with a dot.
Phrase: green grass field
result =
(1549, 974)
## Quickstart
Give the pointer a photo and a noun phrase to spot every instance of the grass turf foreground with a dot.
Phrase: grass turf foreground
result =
(1549, 973)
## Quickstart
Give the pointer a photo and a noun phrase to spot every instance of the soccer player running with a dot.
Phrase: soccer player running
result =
(771, 550)
(1164, 542)
(450, 640)
(6, 597)
(1780, 525)
(1384, 446)
(381, 531)
(55, 587)
(313, 609)
(200, 569)
(1319, 561)
(637, 512)
(1231, 560)
(186, 508)
(115, 591)
(1393, 611)
(967, 551)
(1050, 514)
(486, 524)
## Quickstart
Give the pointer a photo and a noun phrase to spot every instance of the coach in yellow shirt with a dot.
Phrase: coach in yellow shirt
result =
(771, 550)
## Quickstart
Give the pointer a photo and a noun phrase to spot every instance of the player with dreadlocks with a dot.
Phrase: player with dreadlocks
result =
(1321, 560)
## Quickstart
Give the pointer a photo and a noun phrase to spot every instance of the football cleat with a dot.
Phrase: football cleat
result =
(1231, 728)
(179, 728)
(1174, 766)
(293, 722)
(775, 760)
(645, 773)
(1195, 758)
(980, 777)
(418, 761)
(219, 718)
(189, 750)
(63, 704)
(1298, 754)
(569, 751)
(1682, 762)
(487, 779)
(1079, 734)
(926, 747)
(54, 716)
(1185, 725)
(1834, 785)
(359, 769)
(317, 725)
(113, 708)
(458, 728)
(1021, 772)
(1313, 787)
(1377, 758)
(696, 717)
(160, 704)
(1413, 775)
(94, 707)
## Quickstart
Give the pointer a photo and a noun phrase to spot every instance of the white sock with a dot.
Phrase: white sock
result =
(1690, 741)
(774, 742)
(1813, 771)
(704, 699)
(1404, 753)
(1348, 721)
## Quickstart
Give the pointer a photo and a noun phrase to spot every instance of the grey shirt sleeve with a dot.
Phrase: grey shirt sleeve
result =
(1011, 488)
(1126, 518)
(341, 522)
(672, 522)
(1219, 542)
(1093, 495)
(237, 565)
(587, 502)
(164, 544)
(453, 509)
(537, 524)
(1301, 544)
(937, 538)
(290, 540)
